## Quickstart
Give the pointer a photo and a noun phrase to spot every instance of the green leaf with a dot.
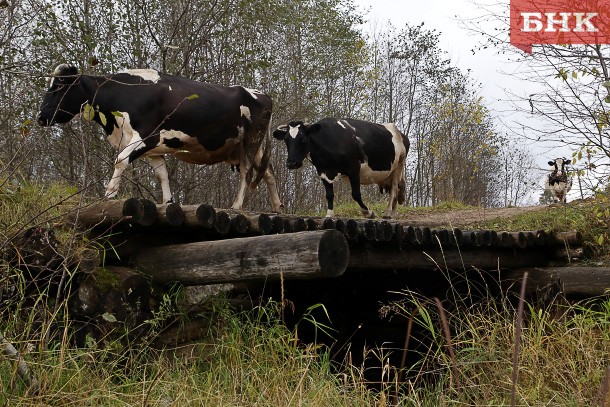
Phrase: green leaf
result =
(109, 317)
(607, 99)
(102, 118)
(193, 96)
(88, 112)
(117, 114)
(574, 74)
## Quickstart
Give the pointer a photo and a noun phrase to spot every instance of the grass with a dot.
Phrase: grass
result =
(253, 359)
(565, 352)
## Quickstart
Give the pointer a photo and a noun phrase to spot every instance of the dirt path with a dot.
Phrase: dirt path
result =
(462, 217)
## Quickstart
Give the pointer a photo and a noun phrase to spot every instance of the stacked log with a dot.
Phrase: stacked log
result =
(301, 255)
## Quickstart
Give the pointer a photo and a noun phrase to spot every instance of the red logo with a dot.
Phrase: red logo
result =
(559, 22)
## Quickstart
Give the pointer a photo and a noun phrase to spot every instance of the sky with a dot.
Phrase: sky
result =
(487, 67)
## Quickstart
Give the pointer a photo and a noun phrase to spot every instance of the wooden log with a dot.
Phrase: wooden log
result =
(457, 237)
(567, 254)
(411, 236)
(576, 281)
(519, 239)
(351, 229)
(302, 255)
(398, 236)
(506, 240)
(328, 223)
(171, 215)
(260, 224)
(368, 230)
(277, 224)
(298, 225)
(340, 226)
(103, 214)
(386, 231)
(148, 216)
(206, 216)
(240, 225)
(426, 236)
(312, 224)
(566, 238)
(222, 223)
(379, 259)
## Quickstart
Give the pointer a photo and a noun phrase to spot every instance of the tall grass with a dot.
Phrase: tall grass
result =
(250, 358)
(564, 353)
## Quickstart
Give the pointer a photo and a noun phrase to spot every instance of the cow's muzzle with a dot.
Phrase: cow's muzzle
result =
(293, 165)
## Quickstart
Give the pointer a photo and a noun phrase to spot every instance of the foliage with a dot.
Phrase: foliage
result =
(563, 359)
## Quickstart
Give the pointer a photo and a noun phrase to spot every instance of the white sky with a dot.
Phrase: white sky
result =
(487, 66)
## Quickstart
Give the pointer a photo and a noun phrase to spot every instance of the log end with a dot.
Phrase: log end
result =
(333, 253)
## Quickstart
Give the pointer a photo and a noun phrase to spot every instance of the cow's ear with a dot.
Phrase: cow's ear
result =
(568, 161)
(72, 70)
(551, 163)
(280, 132)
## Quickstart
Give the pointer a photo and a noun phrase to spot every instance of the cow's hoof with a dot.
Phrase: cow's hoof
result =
(386, 216)
(371, 215)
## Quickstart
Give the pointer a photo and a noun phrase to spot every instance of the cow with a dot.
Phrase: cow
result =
(559, 182)
(145, 113)
(363, 152)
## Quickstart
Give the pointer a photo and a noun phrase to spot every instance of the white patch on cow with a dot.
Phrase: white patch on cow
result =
(254, 92)
(146, 74)
(341, 124)
(339, 177)
(60, 68)
(349, 126)
(293, 131)
(400, 149)
(245, 112)
(170, 88)
(123, 135)
(369, 176)
(330, 213)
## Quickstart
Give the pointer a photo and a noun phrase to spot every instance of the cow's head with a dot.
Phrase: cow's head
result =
(560, 165)
(63, 100)
(296, 135)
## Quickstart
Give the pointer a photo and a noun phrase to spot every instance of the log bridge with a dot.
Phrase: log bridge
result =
(352, 266)
(199, 245)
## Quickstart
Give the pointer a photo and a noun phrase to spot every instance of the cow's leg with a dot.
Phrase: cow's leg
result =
(389, 211)
(276, 203)
(120, 165)
(396, 176)
(243, 185)
(158, 164)
(330, 197)
(357, 195)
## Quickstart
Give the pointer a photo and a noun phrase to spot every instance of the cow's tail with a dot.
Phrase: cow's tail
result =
(262, 167)
(402, 190)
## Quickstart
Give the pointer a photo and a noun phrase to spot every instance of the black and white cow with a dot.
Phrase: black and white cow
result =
(149, 114)
(558, 181)
(365, 153)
